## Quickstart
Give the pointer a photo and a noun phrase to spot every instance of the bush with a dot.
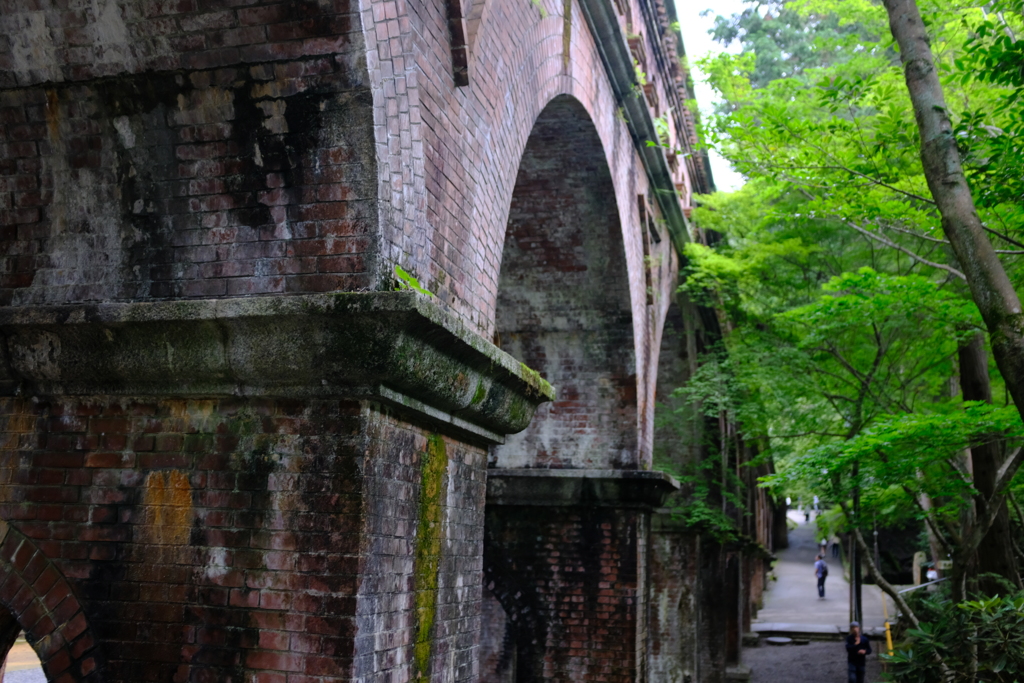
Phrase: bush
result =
(978, 640)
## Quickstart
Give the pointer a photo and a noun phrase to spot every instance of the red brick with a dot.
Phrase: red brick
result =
(59, 662)
(45, 581)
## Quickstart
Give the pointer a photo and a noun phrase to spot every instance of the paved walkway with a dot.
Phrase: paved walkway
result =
(793, 600)
(812, 663)
(23, 665)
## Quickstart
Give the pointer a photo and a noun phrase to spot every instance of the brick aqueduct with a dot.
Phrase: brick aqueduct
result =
(234, 448)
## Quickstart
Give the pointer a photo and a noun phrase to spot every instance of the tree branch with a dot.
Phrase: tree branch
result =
(941, 241)
(930, 521)
(1002, 236)
(1013, 502)
(929, 515)
(993, 504)
(893, 245)
(1007, 471)
(917, 234)
(890, 590)
(990, 286)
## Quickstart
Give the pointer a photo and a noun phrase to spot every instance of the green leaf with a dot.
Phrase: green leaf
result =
(407, 281)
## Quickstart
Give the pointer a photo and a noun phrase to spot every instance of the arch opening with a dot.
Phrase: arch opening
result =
(20, 664)
(36, 599)
(563, 303)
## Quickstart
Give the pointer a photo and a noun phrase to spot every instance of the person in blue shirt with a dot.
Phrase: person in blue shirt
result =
(820, 571)
(858, 647)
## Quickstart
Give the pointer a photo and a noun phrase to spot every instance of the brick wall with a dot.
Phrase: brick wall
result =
(164, 203)
(196, 149)
(167, 102)
(570, 581)
(563, 305)
(202, 149)
(418, 612)
(718, 611)
(248, 540)
(674, 607)
(446, 188)
(498, 656)
(702, 591)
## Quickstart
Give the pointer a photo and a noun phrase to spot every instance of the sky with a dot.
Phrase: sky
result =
(698, 43)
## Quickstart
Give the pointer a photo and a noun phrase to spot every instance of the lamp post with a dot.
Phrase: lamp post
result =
(878, 557)
(857, 607)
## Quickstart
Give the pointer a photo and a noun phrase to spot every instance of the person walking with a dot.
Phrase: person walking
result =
(858, 647)
(820, 571)
(835, 546)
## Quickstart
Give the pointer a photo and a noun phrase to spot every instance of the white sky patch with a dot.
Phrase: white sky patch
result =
(698, 44)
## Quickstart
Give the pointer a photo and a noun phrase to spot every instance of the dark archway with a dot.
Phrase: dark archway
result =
(37, 599)
(563, 299)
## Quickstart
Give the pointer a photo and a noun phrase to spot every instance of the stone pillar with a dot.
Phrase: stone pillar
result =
(565, 557)
(251, 490)
(675, 623)
(717, 602)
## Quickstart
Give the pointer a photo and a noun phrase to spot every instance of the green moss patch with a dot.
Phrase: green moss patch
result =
(433, 481)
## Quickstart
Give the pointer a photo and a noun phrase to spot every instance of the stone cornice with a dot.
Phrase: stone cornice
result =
(618, 63)
(396, 347)
(588, 488)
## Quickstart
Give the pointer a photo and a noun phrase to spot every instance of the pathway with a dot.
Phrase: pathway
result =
(792, 606)
(23, 665)
(813, 663)
(793, 599)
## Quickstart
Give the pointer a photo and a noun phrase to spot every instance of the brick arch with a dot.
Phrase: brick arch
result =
(35, 593)
(564, 304)
(544, 79)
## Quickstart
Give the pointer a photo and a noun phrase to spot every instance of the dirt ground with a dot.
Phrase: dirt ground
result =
(813, 663)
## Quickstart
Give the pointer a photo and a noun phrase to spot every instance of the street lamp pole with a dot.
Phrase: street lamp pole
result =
(858, 611)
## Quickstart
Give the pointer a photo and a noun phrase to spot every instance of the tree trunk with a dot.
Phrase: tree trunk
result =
(990, 287)
(780, 527)
(934, 545)
(995, 552)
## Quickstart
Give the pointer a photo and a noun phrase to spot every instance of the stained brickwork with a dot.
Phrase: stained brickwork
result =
(169, 150)
(180, 150)
(46, 610)
(564, 304)
(205, 539)
(498, 650)
(312, 529)
(571, 583)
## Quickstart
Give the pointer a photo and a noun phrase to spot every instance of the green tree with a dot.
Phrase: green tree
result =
(835, 141)
(783, 41)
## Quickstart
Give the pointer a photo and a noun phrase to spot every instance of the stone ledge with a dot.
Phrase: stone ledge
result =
(811, 631)
(738, 672)
(559, 488)
(396, 347)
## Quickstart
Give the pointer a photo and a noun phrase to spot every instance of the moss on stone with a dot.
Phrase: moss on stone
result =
(433, 468)
(480, 394)
(538, 383)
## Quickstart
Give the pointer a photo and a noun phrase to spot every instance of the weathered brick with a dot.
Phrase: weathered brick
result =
(267, 149)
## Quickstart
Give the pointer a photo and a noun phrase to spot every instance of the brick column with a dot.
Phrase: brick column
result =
(565, 556)
(261, 490)
(675, 624)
